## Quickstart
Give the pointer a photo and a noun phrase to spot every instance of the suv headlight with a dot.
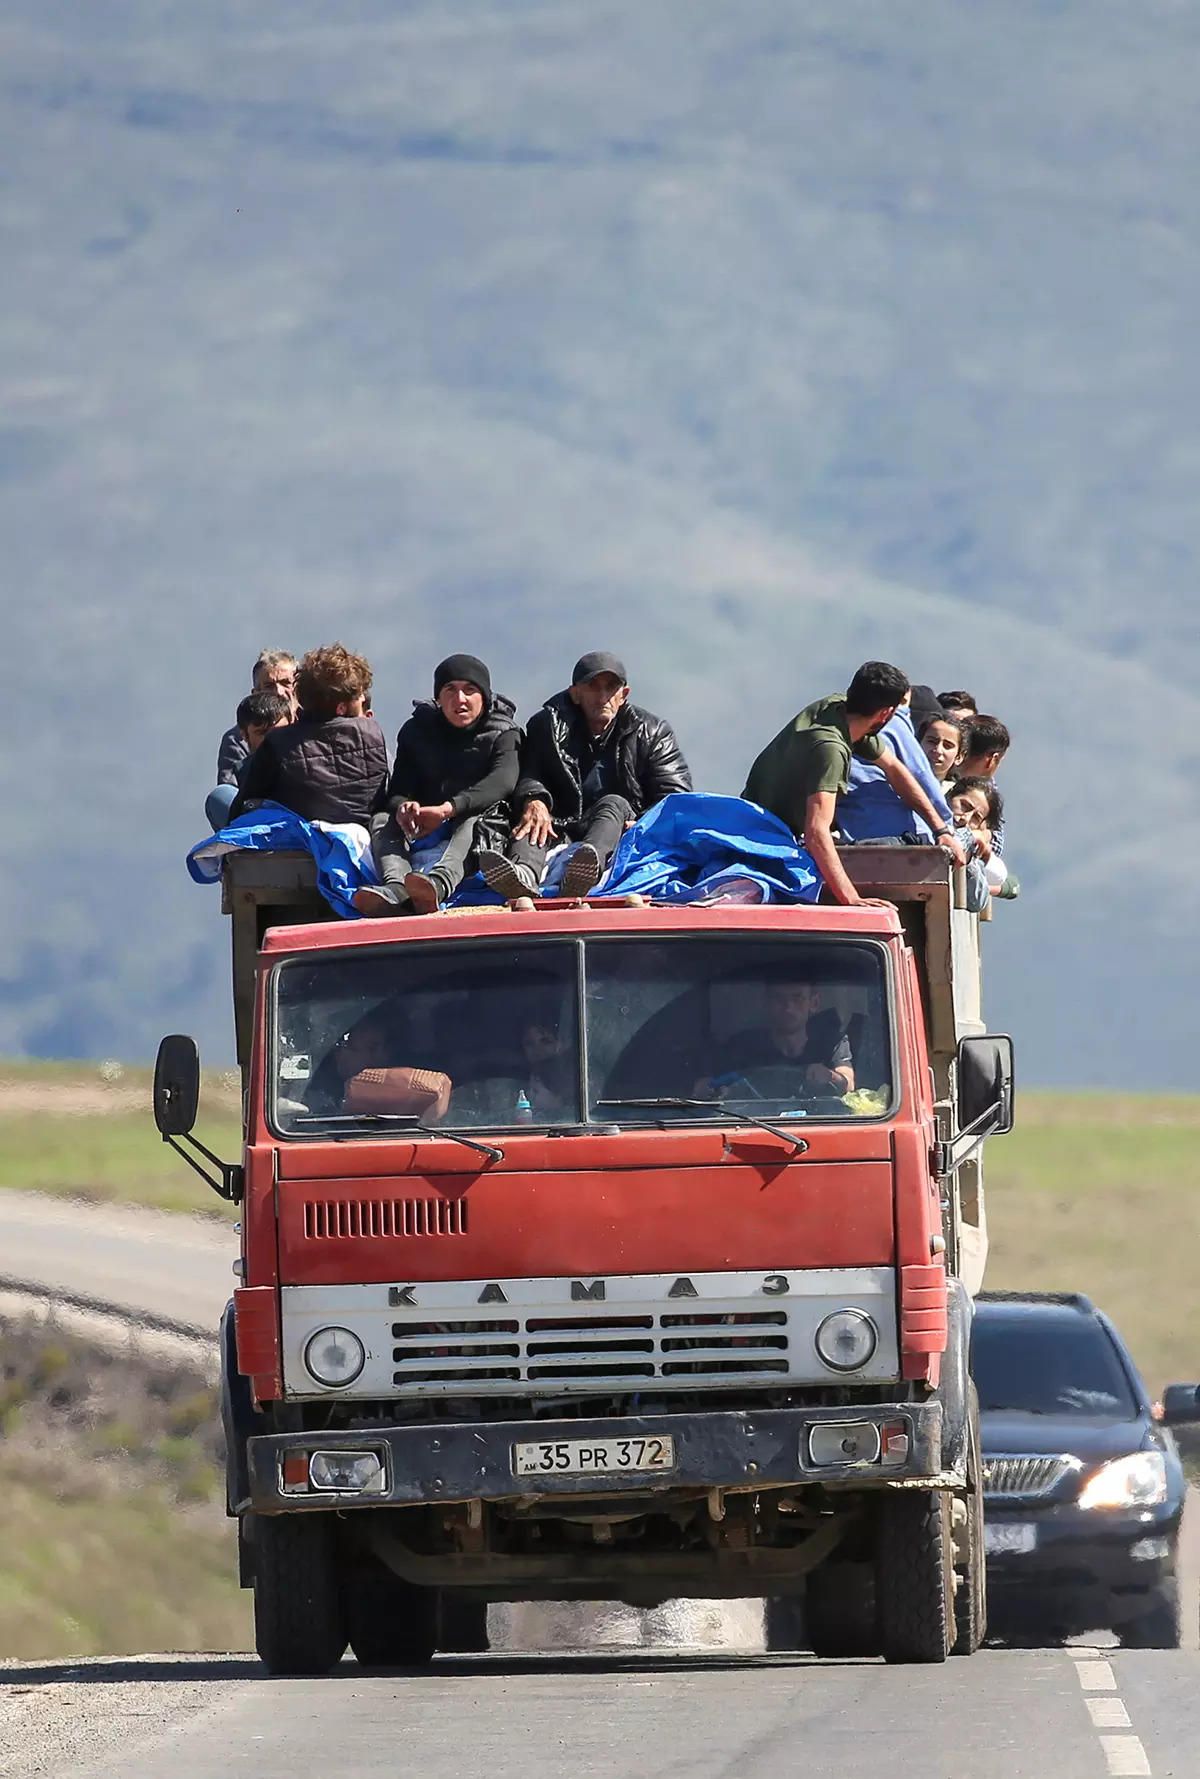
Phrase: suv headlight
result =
(1139, 1480)
(846, 1340)
(334, 1356)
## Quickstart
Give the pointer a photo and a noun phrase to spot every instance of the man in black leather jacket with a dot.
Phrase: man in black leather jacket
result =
(456, 767)
(591, 764)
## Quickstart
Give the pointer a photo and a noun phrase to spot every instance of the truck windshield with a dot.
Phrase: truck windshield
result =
(485, 1036)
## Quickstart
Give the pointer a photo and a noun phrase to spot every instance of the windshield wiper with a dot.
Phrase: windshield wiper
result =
(797, 1145)
(405, 1121)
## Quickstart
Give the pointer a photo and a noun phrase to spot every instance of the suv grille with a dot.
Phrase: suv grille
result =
(1025, 1475)
(628, 1350)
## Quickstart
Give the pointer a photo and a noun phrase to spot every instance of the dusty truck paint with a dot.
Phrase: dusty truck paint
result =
(748, 1306)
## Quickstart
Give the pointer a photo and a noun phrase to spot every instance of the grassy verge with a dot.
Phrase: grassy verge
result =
(115, 1533)
(1101, 1194)
(87, 1132)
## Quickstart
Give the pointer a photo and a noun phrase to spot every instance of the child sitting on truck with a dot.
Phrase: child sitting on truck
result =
(455, 769)
(978, 810)
(330, 765)
(257, 715)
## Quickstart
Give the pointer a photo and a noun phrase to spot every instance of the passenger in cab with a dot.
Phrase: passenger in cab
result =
(455, 769)
(592, 762)
(257, 715)
(330, 765)
(800, 775)
(799, 1051)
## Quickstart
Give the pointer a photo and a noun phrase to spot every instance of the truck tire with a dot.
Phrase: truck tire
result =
(914, 1576)
(970, 1575)
(392, 1623)
(1160, 1626)
(299, 1626)
(462, 1625)
(783, 1624)
(839, 1610)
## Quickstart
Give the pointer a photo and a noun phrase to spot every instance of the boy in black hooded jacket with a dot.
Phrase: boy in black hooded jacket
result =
(456, 767)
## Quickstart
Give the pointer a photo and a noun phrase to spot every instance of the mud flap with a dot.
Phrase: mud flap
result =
(240, 1420)
(954, 1390)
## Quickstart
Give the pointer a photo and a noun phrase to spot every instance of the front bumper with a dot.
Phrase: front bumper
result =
(466, 1461)
(1090, 1569)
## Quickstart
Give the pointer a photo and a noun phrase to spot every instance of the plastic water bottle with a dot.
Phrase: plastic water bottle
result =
(523, 1112)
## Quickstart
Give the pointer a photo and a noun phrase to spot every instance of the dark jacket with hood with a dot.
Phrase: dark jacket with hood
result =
(648, 763)
(473, 769)
(326, 769)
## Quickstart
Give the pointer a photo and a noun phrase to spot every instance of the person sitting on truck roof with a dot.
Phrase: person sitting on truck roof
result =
(959, 704)
(591, 764)
(872, 810)
(986, 745)
(257, 714)
(330, 765)
(800, 1050)
(943, 738)
(274, 671)
(978, 811)
(800, 775)
(455, 769)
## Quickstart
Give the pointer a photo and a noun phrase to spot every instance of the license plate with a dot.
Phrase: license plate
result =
(1009, 1538)
(588, 1457)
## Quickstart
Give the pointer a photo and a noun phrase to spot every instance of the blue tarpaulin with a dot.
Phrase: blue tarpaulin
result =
(692, 847)
(342, 851)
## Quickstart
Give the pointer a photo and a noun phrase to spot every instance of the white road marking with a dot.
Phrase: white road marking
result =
(1108, 1714)
(1096, 1677)
(1125, 1756)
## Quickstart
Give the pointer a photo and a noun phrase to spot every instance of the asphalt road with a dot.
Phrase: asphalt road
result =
(1076, 1714)
(177, 1270)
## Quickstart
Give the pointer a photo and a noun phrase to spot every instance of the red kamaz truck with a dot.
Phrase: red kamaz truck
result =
(605, 1250)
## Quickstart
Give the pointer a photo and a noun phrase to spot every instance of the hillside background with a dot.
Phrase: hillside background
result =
(747, 341)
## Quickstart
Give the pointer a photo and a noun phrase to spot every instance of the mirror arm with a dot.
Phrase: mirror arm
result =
(228, 1186)
(968, 1142)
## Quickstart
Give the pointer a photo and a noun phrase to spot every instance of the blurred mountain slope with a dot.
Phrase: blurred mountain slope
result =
(750, 343)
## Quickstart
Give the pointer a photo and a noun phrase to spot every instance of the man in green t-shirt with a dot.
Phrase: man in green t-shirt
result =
(801, 774)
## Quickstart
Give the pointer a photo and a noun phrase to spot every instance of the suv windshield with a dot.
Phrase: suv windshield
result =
(485, 1036)
(1048, 1365)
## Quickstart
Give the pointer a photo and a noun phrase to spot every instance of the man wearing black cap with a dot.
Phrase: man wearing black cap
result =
(591, 763)
(456, 767)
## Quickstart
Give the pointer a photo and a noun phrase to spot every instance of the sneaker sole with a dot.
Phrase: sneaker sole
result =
(504, 878)
(582, 873)
(370, 903)
(422, 893)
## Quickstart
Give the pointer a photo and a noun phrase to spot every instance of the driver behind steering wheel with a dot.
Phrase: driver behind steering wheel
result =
(800, 1045)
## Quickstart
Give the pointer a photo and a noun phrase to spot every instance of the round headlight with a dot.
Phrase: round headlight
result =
(334, 1357)
(846, 1340)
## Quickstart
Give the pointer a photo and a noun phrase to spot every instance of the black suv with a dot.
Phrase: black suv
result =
(1083, 1487)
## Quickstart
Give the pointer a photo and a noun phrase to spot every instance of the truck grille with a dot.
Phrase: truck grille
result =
(625, 1350)
(1027, 1475)
(340, 1219)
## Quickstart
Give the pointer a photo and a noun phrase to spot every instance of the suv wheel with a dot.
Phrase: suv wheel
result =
(1160, 1626)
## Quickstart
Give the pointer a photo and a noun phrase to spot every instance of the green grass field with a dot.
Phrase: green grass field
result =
(1091, 1192)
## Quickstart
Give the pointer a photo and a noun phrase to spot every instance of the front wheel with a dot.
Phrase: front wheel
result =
(392, 1623)
(299, 1625)
(914, 1576)
(1160, 1626)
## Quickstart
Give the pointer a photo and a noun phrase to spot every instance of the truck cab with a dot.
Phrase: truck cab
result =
(607, 1250)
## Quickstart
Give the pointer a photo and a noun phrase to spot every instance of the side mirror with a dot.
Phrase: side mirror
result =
(176, 1085)
(1180, 1405)
(985, 1079)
